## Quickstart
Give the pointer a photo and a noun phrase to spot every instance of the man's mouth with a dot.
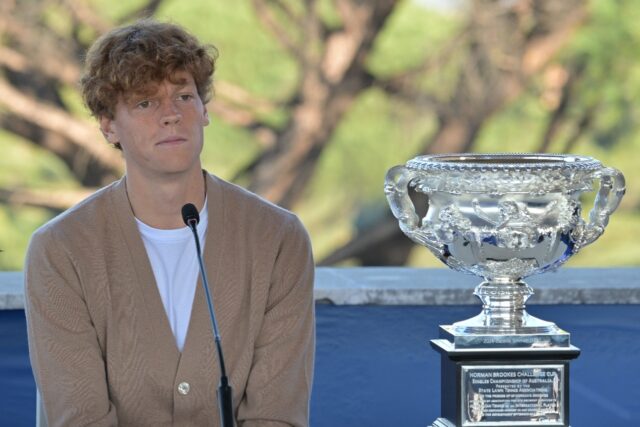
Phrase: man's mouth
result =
(172, 140)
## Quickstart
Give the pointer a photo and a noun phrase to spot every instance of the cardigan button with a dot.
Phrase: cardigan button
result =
(183, 388)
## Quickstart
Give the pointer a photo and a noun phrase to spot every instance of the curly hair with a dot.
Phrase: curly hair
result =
(128, 60)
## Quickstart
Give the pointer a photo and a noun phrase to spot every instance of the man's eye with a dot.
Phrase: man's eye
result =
(143, 104)
(186, 97)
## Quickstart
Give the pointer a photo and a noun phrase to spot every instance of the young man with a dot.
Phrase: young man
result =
(119, 332)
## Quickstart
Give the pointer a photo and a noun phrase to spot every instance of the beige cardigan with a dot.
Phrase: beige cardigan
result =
(100, 344)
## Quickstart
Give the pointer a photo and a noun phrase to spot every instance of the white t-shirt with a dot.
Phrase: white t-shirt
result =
(173, 258)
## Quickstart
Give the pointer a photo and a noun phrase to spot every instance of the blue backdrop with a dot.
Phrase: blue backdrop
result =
(374, 365)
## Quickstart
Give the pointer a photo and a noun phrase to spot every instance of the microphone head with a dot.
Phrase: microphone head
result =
(190, 214)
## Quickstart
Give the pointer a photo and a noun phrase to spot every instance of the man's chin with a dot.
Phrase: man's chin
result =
(175, 169)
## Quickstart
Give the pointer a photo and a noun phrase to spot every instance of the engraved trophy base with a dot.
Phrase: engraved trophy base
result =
(516, 338)
(503, 385)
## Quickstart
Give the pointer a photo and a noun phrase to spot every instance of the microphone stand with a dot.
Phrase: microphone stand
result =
(225, 392)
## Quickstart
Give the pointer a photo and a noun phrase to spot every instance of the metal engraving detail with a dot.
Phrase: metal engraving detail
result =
(513, 395)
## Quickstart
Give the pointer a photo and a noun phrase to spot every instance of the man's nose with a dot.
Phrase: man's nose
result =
(170, 114)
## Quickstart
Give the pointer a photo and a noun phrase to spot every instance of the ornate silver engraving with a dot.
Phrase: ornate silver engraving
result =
(475, 410)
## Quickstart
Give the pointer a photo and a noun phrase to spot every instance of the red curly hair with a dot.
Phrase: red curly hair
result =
(129, 60)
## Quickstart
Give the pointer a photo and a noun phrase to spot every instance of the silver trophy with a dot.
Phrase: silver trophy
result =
(503, 217)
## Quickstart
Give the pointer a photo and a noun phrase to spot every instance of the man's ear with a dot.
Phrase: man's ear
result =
(205, 117)
(109, 130)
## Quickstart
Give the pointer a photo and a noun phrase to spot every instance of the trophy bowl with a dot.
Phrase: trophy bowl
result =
(504, 217)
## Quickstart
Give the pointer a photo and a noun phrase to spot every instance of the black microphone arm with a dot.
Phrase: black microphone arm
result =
(191, 218)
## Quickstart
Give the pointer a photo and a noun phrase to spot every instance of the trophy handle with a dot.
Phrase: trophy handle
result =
(396, 188)
(612, 188)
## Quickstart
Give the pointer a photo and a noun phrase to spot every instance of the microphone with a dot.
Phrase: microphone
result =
(191, 218)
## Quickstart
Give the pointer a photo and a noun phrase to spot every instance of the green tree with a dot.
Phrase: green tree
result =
(316, 99)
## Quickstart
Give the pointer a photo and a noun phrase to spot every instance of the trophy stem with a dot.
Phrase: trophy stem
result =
(503, 303)
(503, 311)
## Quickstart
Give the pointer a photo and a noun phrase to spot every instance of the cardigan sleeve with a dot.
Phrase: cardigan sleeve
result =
(65, 355)
(279, 384)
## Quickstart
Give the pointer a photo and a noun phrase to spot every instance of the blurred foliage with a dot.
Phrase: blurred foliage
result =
(379, 131)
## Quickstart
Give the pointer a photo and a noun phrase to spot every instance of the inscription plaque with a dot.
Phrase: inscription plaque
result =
(516, 395)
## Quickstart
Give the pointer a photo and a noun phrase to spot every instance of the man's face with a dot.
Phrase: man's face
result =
(160, 130)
